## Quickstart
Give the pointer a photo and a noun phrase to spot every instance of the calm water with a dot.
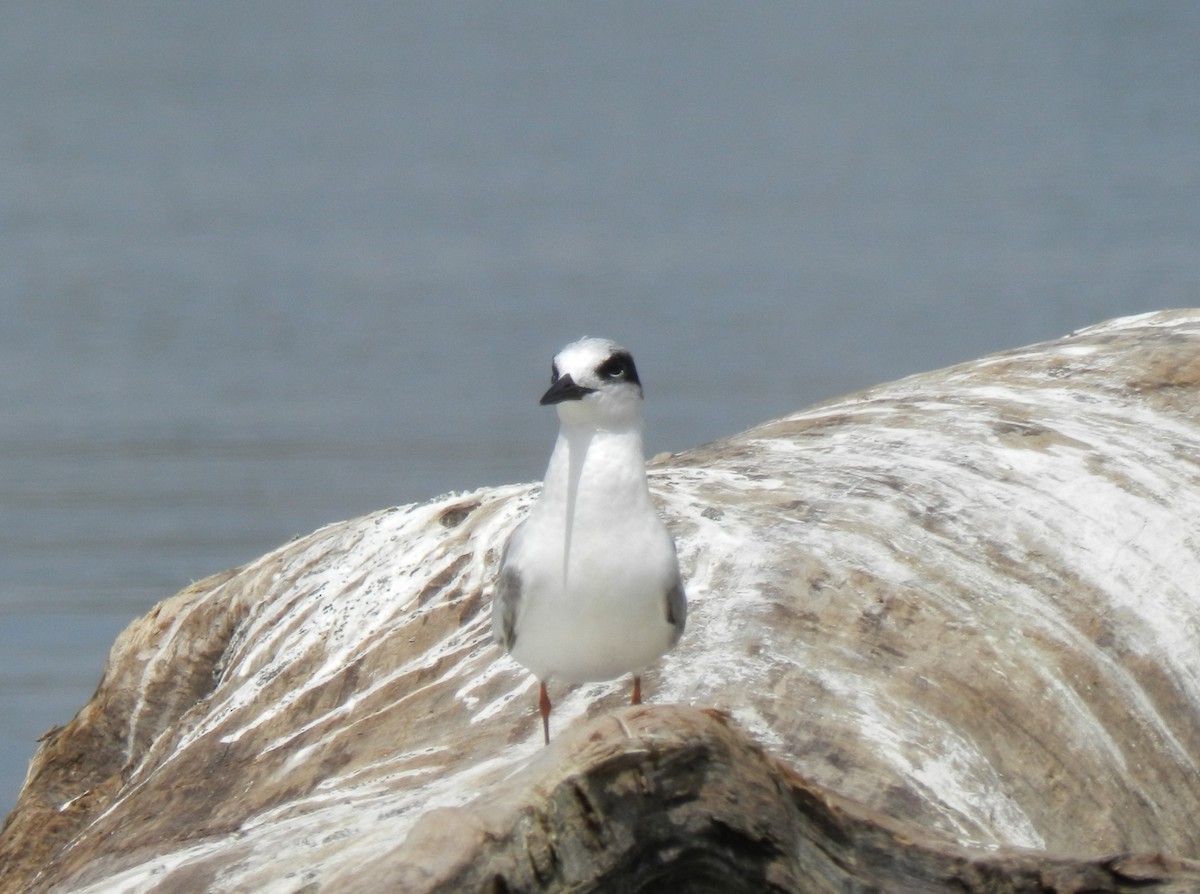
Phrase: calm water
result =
(269, 265)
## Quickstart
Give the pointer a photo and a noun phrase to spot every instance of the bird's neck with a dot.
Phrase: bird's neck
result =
(594, 472)
(596, 482)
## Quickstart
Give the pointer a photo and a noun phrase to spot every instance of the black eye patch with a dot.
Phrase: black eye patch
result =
(619, 366)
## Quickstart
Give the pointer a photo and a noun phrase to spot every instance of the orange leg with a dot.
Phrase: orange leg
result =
(637, 691)
(544, 709)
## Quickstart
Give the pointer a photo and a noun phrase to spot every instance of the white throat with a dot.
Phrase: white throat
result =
(596, 479)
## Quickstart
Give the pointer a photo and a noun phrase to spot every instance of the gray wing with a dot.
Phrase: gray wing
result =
(507, 599)
(677, 609)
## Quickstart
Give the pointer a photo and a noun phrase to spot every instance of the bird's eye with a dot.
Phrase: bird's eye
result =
(553, 373)
(613, 368)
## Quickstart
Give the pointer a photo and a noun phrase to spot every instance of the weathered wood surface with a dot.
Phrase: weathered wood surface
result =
(676, 799)
(965, 602)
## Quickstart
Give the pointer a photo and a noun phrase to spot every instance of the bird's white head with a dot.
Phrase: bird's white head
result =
(594, 383)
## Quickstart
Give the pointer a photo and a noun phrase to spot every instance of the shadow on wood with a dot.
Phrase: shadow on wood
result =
(676, 799)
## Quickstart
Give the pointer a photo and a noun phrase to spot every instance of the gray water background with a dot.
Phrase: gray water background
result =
(269, 265)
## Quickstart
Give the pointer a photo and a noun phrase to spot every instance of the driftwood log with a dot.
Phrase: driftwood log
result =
(944, 636)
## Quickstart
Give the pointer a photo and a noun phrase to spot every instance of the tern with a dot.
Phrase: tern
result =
(589, 586)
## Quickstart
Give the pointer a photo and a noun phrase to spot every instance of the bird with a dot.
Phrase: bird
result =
(589, 586)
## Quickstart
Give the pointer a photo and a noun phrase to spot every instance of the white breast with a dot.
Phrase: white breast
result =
(608, 616)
